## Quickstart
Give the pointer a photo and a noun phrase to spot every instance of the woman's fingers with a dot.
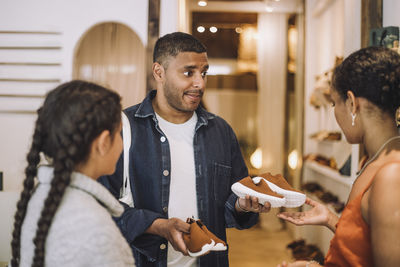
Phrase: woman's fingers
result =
(293, 217)
(311, 202)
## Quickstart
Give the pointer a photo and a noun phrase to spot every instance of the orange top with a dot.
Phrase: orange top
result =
(351, 245)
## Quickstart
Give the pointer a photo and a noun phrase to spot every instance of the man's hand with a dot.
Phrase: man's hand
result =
(248, 204)
(172, 230)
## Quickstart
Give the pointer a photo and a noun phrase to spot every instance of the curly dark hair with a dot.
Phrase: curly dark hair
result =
(372, 73)
(72, 116)
(170, 45)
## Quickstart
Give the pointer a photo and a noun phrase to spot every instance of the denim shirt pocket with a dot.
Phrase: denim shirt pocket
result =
(222, 176)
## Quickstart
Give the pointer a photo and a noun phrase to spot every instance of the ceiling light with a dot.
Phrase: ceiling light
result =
(213, 29)
(238, 30)
(269, 9)
(268, 6)
(201, 29)
(202, 3)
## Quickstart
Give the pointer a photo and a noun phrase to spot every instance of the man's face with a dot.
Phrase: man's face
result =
(185, 80)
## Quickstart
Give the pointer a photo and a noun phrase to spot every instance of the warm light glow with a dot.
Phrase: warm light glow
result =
(292, 48)
(238, 30)
(202, 3)
(269, 9)
(256, 159)
(219, 70)
(201, 29)
(213, 29)
(293, 159)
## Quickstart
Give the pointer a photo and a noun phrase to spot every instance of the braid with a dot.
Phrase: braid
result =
(73, 115)
(64, 164)
(33, 159)
(62, 177)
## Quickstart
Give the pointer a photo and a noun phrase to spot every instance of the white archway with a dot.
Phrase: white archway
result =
(112, 54)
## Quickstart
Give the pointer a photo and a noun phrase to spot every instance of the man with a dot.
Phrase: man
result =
(183, 161)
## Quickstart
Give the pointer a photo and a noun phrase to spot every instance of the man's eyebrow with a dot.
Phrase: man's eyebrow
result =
(189, 67)
(192, 67)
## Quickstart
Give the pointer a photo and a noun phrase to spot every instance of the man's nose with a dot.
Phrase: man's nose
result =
(199, 81)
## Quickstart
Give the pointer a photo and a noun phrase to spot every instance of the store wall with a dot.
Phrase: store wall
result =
(72, 19)
(229, 104)
(169, 16)
(391, 15)
(332, 29)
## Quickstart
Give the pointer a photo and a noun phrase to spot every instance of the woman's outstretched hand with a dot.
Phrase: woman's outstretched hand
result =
(299, 264)
(319, 214)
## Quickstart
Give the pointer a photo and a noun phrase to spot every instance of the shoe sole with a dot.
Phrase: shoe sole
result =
(241, 191)
(293, 199)
(204, 250)
(219, 247)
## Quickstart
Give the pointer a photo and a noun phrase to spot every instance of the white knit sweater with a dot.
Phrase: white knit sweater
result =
(82, 232)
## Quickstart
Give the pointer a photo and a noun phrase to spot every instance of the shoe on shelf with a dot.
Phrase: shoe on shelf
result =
(197, 241)
(220, 245)
(278, 184)
(260, 189)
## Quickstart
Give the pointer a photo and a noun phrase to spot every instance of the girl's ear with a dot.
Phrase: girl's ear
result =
(352, 102)
(158, 71)
(101, 145)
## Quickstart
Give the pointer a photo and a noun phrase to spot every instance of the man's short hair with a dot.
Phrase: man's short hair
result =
(170, 45)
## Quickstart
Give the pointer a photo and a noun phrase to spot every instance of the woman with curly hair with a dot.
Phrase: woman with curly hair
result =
(64, 216)
(366, 94)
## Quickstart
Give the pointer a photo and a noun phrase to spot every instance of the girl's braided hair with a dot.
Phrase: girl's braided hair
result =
(72, 116)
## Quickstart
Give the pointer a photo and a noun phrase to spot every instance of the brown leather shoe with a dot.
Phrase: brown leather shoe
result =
(220, 245)
(197, 241)
(259, 189)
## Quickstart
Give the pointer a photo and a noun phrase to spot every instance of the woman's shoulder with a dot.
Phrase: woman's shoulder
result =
(388, 175)
(84, 228)
(78, 206)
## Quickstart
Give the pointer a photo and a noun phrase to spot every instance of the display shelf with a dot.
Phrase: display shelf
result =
(339, 150)
(330, 173)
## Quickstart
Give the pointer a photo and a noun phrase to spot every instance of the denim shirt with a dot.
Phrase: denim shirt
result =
(218, 164)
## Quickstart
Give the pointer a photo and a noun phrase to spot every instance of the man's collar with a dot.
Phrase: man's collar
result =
(146, 107)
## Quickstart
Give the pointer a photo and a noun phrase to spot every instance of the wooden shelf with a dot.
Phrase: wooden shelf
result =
(329, 172)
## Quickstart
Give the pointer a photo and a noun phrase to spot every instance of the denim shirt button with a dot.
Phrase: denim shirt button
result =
(162, 139)
(165, 209)
(163, 246)
(165, 172)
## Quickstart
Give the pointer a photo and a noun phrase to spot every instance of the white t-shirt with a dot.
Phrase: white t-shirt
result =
(182, 190)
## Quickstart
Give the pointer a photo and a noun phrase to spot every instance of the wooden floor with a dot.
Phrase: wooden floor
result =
(256, 247)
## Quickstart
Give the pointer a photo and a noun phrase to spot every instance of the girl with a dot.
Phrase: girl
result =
(64, 217)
